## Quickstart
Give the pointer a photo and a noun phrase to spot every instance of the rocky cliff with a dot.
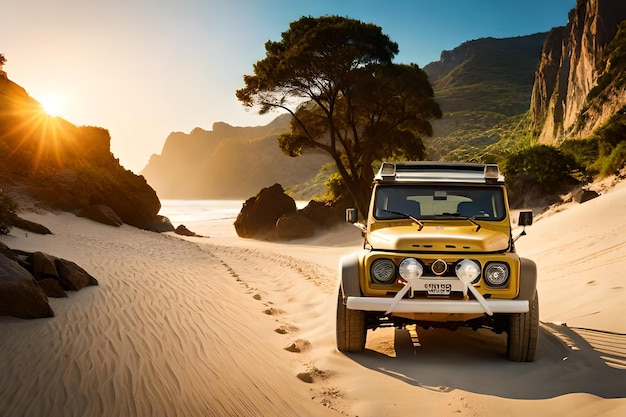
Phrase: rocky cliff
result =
(572, 60)
(63, 166)
(228, 162)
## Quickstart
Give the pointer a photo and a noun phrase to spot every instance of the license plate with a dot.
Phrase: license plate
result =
(438, 289)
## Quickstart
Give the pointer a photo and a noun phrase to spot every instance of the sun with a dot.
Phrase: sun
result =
(52, 104)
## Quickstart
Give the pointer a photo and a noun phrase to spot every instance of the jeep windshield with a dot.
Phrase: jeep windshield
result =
(431, 202)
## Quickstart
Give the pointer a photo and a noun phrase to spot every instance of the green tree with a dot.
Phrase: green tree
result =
(336, 78)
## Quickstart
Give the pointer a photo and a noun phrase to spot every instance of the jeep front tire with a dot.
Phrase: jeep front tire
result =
(521, 341)
(351, 331)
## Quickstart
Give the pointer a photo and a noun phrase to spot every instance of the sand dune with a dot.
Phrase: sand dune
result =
(231, 327)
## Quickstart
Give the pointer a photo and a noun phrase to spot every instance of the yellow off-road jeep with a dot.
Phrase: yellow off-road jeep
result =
(438, 251)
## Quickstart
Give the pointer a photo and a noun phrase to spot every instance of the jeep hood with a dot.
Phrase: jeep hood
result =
(439, 238)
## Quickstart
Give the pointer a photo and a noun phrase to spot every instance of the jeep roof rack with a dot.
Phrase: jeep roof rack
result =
(439, 172)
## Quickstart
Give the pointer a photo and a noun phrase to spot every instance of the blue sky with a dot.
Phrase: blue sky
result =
(145, 68)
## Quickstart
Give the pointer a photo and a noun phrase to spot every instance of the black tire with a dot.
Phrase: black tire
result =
(351, 331)
(523, 328)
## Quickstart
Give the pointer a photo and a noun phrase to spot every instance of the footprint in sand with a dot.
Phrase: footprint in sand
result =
(299, 346)
(312, 375)
(285, 329)
(273, 311)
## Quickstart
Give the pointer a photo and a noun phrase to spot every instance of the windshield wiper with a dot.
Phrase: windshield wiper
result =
(419, 223)
(469, 219)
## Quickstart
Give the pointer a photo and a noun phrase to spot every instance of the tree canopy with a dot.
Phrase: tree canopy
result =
(335, 76)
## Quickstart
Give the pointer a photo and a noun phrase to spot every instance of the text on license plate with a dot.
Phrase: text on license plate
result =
(438, 289)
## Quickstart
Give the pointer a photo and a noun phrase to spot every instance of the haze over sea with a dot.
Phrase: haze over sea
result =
(202, 216)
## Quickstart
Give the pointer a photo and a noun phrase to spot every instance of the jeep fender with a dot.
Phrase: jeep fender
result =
(349, 275)
(528, 279)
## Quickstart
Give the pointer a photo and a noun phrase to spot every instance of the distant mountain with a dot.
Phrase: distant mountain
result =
(488, 74)
(479, 85)
(228, 162)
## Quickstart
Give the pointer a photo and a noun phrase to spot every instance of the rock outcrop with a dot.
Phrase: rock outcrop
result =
(294, 225)
(273, 215)
(259, 214)
(30, 226)
(569, 69)
(28, 279)
(20, 295)
(102, 214)
(66, 167)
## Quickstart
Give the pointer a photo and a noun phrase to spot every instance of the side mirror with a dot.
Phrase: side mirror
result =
(352, 216)
(525, 218)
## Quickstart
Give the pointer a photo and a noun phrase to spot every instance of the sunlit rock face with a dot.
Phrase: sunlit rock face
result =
(569, 68)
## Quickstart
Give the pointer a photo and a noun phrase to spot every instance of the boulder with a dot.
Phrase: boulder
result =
(586, 195)
(294, 225)
(182, 230)
(101, 214)
(71, 276)
(20, 295)
(6, 251)
(259, 214)
(68, 275)
(52, 288)
(325, 214)
(43, 266)
(30, 226)
(162, 224)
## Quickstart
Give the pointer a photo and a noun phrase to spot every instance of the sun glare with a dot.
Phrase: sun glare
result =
(52, 104)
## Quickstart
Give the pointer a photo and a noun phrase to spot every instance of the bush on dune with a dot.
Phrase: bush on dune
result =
(8, 209)
(537, 174)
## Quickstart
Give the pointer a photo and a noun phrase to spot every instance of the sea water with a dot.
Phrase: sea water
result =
(199, 215)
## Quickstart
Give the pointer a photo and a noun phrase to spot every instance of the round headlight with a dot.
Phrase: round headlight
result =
(410, 268)
(496, 274)
(467, 270)
(383, 271)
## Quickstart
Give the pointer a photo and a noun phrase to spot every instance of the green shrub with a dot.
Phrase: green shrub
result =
(537, 173)
(613, 162)
(8, 214)
(611, 139)
(584, 151)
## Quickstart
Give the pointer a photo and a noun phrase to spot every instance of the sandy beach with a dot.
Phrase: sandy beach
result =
(223, 326)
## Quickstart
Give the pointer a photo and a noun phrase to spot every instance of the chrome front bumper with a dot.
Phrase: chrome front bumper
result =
(388, 304)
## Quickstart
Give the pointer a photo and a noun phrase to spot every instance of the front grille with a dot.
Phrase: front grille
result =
(450, 271)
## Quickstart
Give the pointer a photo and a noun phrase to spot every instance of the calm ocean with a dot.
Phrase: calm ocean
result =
(200, 215)
(197, 215)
